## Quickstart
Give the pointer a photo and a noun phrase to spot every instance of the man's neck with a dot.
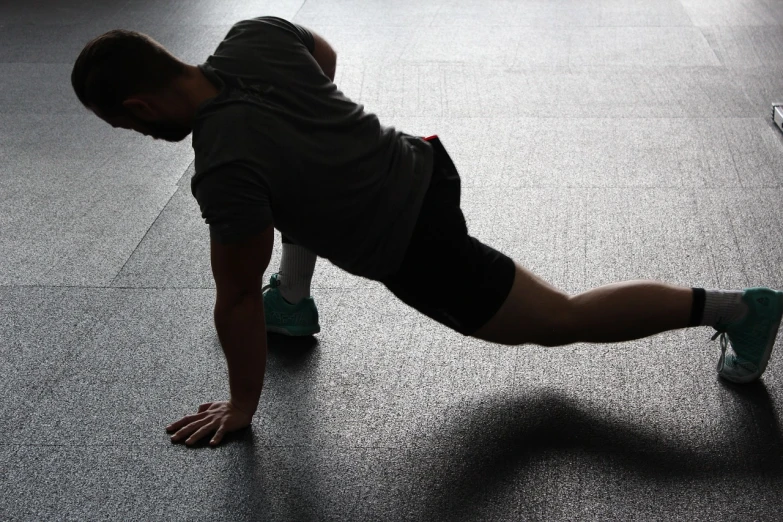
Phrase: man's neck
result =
(197, 88)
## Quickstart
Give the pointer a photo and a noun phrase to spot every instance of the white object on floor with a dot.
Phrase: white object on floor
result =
(777, 114)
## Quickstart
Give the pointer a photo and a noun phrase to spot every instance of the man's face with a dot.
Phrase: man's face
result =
(159, 130)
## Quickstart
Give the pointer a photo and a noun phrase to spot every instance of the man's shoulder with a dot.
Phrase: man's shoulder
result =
(232, 125)
(237, 137)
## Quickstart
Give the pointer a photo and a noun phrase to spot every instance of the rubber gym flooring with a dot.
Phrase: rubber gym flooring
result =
(597, 140)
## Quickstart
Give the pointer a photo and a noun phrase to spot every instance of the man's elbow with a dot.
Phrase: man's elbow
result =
(325, 55)
(330, 69)
(328, 65)
(231, 315)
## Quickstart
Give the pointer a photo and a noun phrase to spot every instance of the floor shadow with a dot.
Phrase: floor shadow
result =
(296, 472)
(496, 442)
(758, 415)
(487, 446)
(290, 351)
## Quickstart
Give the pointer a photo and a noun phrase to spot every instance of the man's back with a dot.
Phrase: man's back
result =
(282, 145)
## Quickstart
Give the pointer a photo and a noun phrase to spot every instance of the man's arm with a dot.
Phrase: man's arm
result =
(239, 314)
(239, 318)
(325, 55)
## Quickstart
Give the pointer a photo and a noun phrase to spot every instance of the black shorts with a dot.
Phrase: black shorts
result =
(447, 274)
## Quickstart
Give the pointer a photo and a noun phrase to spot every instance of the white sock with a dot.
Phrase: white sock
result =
(721, 306)
(296, 272)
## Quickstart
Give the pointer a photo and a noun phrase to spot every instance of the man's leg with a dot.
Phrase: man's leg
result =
(535, 312)
(288, 306)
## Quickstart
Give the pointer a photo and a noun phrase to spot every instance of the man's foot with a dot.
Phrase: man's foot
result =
(286, 318)
(752, 337)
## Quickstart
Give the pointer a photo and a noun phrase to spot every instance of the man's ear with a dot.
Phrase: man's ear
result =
(139, 108)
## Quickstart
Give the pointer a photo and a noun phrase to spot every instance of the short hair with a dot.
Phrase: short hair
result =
(119, 64)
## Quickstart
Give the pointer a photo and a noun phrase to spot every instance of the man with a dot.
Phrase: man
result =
(278, 145)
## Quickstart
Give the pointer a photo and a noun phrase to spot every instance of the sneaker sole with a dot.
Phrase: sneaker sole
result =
(292, 333)
(767, 353)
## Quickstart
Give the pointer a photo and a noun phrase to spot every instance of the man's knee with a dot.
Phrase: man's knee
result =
(559, 326)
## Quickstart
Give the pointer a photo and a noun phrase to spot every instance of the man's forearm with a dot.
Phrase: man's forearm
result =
(242, 332)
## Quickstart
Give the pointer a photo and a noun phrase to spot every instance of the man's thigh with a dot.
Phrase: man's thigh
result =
(460, 283)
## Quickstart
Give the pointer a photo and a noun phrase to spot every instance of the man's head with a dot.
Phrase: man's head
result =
(131, 81)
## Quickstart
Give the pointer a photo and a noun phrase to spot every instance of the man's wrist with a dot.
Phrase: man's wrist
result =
(246, 407)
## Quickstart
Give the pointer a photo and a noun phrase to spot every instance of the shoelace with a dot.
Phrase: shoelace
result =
(724, 343)
(273, 283)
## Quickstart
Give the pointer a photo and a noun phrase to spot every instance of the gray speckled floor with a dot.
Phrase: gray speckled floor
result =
(598, 140)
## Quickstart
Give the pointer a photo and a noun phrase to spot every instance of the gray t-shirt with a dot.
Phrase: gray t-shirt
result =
(281, 145)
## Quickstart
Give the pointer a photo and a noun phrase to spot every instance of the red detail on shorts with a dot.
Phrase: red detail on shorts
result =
(428, 138)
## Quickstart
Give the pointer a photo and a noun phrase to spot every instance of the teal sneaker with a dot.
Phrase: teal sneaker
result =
(285, 318)
(752, 337)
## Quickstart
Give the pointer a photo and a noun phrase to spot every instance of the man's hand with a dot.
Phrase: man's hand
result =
(218, 417)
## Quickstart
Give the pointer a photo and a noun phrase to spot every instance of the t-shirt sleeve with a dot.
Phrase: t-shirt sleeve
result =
(234, 202)
(302, 33)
